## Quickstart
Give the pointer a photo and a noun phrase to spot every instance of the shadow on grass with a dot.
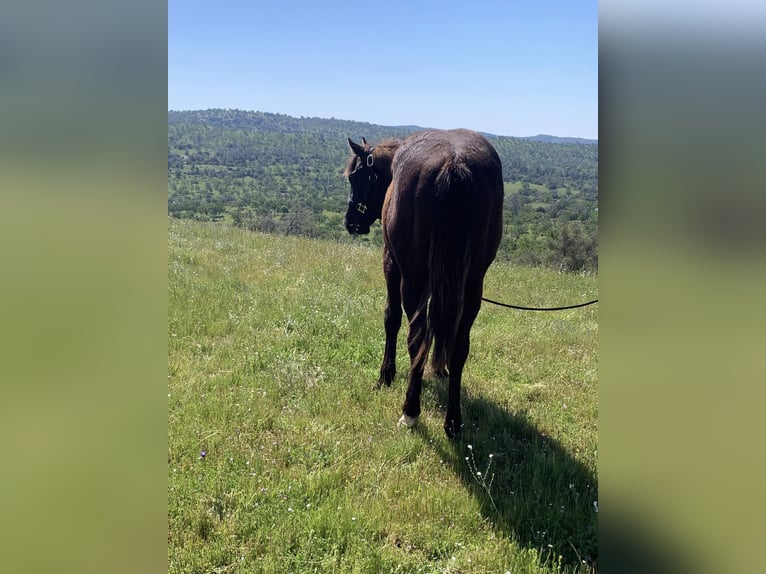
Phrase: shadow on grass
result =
(535, 492)
(531, 489)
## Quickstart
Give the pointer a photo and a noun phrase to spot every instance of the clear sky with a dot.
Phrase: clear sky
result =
(508, 67)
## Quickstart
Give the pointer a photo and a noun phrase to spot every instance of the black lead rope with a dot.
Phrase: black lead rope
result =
(538, 308)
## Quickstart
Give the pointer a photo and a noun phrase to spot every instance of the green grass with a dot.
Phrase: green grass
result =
(274, 346)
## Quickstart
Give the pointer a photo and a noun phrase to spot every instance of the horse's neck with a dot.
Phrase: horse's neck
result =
(385, 152)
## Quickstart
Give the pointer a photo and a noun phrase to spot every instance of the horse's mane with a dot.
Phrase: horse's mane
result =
(387, 148)
(383, 150)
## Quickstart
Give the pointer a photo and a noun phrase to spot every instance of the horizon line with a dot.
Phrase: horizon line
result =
(379, 125)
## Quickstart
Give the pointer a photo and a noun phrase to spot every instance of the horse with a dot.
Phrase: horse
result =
(439, 197)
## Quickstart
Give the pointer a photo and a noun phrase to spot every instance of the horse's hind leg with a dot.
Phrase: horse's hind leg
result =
(453, 422)
(392, 318)
(418, 346)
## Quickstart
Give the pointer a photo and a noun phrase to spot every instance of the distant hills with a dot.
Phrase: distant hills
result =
(283, 174)
(264, 121)
(281, 123)
(555, 139)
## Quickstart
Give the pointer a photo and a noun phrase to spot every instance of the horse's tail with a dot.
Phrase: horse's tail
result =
(449, 258)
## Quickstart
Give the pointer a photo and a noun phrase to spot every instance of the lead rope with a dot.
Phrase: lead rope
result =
(539, 308)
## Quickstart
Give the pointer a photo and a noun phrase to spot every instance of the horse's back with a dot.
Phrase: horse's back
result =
(433, 150)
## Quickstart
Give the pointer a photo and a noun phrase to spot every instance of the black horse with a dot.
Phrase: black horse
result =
(439, 196)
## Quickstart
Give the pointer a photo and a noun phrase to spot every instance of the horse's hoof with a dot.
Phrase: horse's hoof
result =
(409, 422)
(387, 376)
(452, 429)
(383, 381)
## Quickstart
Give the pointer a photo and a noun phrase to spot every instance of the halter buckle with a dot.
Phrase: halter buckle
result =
(370, 160)
(361, 208)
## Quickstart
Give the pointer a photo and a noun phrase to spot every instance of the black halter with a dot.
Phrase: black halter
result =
(360, 201)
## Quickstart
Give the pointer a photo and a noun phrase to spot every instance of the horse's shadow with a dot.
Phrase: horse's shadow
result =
(535, 492)
(530, 488)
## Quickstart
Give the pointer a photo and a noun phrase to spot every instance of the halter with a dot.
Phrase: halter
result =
(360, 203)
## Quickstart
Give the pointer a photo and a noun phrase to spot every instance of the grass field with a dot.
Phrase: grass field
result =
(283, 459)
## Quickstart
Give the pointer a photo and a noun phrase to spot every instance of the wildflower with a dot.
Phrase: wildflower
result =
(203, 454)
(595, 505)
(470, 447)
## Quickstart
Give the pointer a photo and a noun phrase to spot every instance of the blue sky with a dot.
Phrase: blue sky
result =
(507, 67)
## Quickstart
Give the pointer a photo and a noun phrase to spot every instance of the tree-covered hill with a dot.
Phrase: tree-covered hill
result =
(282, 174)
(555, 139)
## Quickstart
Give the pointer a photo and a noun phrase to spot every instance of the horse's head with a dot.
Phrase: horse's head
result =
(369, 175)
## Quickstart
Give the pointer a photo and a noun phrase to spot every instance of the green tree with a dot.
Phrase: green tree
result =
(573, 248)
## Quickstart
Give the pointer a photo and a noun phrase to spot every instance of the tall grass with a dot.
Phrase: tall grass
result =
(282, 457)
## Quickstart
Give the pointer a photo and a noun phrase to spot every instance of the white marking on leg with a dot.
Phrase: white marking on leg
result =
(409, 422)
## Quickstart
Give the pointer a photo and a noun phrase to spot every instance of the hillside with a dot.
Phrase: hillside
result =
(281, 457)
(281, 174)
(555, 139)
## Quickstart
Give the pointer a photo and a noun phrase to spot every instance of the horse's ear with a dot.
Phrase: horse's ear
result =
(364, 141)
(356, 148)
